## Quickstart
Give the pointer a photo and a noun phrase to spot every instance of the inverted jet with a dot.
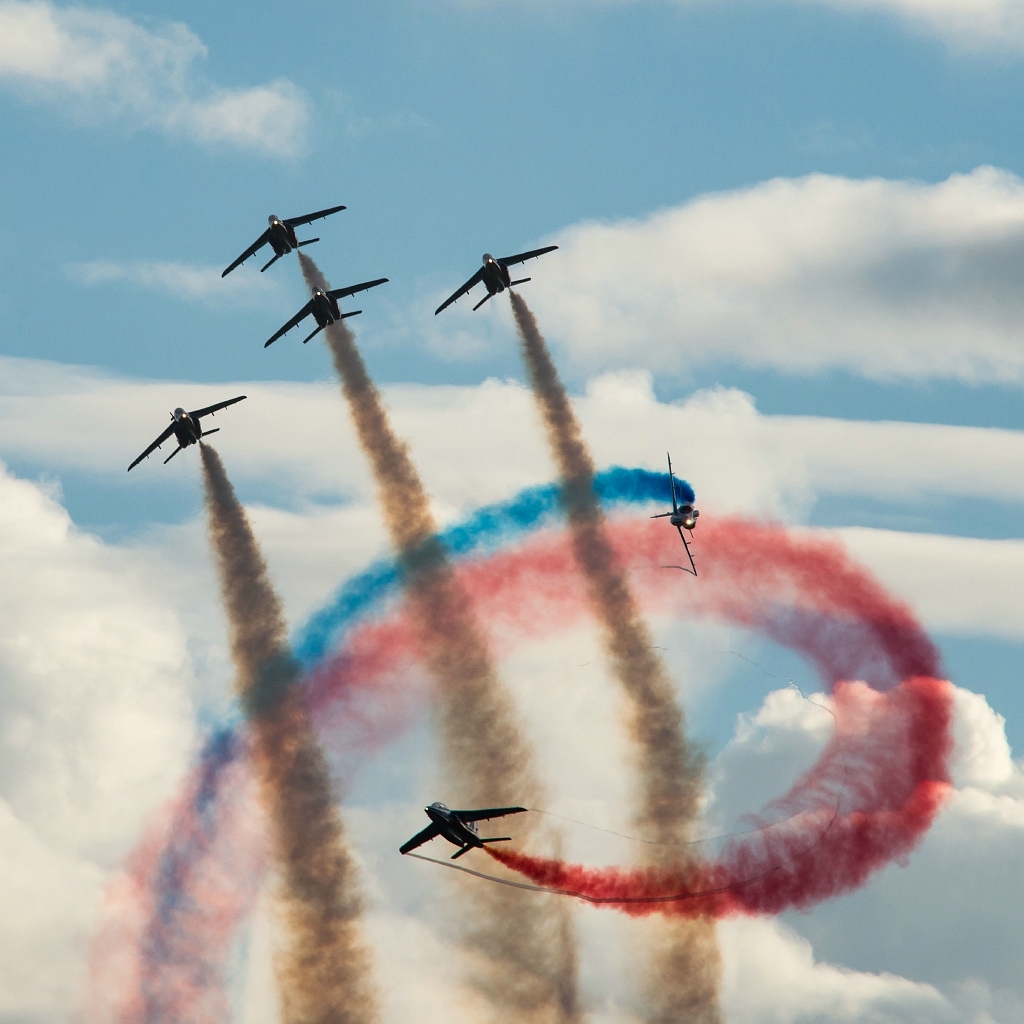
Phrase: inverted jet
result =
(324, 307)
(281, 236)
(495, 276)
(458, 827)
(683, 517)
(186, 428)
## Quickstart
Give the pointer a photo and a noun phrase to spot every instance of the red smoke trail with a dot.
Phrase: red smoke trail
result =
(895, 747)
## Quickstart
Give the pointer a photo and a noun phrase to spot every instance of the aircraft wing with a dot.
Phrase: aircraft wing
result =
(301, 315)
(341, 293)
(522, 257)
(472, 282)
(215, 408)
(153, 447)
(420, 838)
(261, 241)
(294, 222)
(488, 812)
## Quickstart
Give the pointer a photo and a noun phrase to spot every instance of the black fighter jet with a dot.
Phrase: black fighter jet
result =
(281, 235)
(682, 517)
(186, 429)
(494, 274)
(458, 827)
(324, 306)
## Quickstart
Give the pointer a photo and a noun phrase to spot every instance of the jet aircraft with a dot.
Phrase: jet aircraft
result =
(682, 517)
(324, 306)
(281, 236)
(186, 428)
(494, 274)
(458, 827)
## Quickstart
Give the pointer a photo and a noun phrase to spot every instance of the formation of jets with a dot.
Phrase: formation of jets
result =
(458, 827)
(324, 307)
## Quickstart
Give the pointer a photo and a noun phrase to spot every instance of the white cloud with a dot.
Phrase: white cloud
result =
(97, 706)
(106, 66)
(98, 660)
(963, 25)
(182, 280)
(886, 279)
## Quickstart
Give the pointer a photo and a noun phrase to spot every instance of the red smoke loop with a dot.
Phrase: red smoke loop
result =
(878, 784)
(886, 767)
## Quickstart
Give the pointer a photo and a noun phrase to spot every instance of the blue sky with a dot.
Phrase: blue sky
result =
(779, 336)
(448, 129)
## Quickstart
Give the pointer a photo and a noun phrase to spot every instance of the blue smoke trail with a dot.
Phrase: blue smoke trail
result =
(486, 529)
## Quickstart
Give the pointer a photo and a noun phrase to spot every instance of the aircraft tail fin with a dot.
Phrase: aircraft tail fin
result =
(171, 456)
(271, 263)
(313, 335)
(497, 839)
(521, 280)
(308, 241)
(481, 302)
(206, 433)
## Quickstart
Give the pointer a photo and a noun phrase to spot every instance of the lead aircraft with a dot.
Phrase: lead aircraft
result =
(458, 827)
(494, 274)
(281, 236)
(186, 428)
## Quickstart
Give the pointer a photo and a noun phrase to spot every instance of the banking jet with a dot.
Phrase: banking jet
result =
(324, 307)
(281, 236)
(186, 428)
(458, 827)
(494, 274)
(682, 517)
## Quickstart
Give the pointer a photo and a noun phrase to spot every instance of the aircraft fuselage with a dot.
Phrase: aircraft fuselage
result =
(186, 429)
(458, 833)
(496, 275)
(685, 516)
(325, 309)
(282, 236)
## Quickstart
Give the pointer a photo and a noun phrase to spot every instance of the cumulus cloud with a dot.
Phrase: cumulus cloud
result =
(107, 66)
(885, 279)
(937, 921)
(97, 697)
(182, 280)
(97, 660)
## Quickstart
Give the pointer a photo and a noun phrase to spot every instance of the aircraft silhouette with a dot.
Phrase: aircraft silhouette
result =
(458, 827)
(494, 274)
(281, 236)
(682, 517)
(186, 428)
(325, 309)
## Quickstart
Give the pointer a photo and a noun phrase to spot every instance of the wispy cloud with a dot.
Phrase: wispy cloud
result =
(182, 280)
(108, 67)
(963, 25)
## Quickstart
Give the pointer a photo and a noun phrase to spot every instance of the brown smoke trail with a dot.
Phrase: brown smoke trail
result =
(324, 969)
(523, 951)
(687, 965)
